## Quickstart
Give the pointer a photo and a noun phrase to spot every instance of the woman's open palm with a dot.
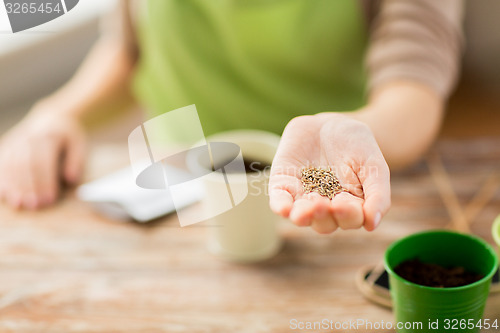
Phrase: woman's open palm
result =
(345, 145)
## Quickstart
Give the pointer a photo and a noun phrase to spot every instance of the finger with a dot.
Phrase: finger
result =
(44, 167)
(20, 190)
(324, 226)
(2, 174)
(26, 178)
(14, 199)
(302, 213)
(282, 191)
(347, 211)
(377, 190)
(10, 197)
(323, 221)
(74, 157)
(309, 207)
(281, 202)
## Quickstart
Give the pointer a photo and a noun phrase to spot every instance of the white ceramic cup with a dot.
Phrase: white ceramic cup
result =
(247, 232)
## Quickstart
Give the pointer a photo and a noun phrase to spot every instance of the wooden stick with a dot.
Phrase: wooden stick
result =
(440, 177)
(483, 196)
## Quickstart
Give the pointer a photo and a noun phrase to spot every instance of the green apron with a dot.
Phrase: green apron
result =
(250, 63)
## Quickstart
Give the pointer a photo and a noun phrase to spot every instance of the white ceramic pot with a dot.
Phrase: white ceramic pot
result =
(248, 231)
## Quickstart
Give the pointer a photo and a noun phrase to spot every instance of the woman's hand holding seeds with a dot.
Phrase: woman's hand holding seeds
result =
(348, 148)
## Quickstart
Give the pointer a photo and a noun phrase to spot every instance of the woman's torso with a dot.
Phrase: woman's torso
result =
(250, 63)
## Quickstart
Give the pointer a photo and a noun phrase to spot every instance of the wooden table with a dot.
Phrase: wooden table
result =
(67, 269)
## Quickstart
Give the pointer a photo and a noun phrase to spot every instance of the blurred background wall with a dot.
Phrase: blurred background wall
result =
(35, 63)
(474, 108)
(482, 32)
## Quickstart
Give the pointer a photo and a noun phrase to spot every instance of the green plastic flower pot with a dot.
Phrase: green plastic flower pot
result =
(495, 230)
(457, 309)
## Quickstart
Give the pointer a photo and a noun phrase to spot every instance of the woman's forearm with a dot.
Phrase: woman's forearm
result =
(99, 89)
(405, 118)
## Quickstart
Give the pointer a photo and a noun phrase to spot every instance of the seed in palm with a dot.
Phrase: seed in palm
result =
(321, 181)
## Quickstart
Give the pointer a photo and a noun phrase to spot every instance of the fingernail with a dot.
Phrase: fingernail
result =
(377, 219)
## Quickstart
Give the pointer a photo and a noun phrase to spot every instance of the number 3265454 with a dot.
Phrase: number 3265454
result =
(32, 8)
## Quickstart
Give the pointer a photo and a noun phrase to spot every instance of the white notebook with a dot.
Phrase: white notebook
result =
(116, 195)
